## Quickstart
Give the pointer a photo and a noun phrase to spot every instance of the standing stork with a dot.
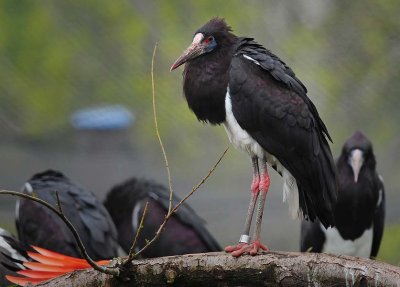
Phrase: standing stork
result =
(360, 209)
(265, 110)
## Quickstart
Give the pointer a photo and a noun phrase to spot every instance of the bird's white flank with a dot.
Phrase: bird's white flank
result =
(13, 253)
(334, 243)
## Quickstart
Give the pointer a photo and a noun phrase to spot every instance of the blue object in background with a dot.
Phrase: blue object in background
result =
(113, 117)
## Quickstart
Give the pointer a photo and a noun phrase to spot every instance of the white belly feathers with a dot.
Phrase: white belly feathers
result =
(335, 244)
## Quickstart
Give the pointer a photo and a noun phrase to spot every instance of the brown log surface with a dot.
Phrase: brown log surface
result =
(221, 269)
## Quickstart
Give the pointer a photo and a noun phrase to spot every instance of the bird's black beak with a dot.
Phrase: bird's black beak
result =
(193, 51)
(356, 162)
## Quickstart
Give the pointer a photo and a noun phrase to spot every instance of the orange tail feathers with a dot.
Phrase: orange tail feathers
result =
(48, 265)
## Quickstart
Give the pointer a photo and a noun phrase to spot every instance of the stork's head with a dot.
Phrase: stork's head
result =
(358, 153)
(213, 35)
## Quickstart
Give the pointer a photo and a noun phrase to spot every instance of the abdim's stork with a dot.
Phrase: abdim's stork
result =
(360, 209)
(39, 226)
(184, 233)
(264, 107)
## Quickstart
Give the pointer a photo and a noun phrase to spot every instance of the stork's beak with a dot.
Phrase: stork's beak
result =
(193, 51)
(356, 162)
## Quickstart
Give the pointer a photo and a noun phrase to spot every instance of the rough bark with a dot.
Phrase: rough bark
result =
(220, 269)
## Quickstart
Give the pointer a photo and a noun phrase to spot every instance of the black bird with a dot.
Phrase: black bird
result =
(360, 209)
(184, 233)
(264, 107)
(12, 253)
(39, 226)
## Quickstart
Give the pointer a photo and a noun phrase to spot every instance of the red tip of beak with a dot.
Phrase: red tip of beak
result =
(173, 67)
(181, 60)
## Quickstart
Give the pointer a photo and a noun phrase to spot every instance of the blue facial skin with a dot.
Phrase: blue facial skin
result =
(211, 45)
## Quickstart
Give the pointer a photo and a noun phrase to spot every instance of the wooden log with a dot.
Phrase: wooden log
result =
(221, 269)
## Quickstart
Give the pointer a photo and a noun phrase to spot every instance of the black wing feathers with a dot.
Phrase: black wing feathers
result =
(184, 233)
(312, 238)
(12, 252)
(279, 71)
(39, 226)
(270, 62)
(271, 104)
(379, 221)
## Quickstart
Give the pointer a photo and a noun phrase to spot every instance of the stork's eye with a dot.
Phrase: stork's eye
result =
(208, 39)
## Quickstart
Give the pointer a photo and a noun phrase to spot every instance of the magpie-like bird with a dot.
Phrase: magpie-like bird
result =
(360, 209)
(184, 233)
(265, 110)
(12, 253)
(39, 226)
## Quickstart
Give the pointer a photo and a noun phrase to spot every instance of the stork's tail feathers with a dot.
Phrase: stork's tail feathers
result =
(48, 265)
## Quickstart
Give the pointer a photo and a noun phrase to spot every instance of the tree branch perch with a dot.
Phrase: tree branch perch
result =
(221, 269)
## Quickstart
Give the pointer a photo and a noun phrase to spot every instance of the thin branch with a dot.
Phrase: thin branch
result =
(173, 210)
(103, 269)
(59, 204)
(131, 254)
(171, 191)
(201, 181)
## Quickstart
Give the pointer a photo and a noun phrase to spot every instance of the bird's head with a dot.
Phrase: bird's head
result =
(358, 153)
(214, 34)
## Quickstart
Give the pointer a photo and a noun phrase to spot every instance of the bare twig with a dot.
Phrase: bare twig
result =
(201, 181)
(171, 191)
(59, 203)
(131, 254)
(173, 210)
(60, 214)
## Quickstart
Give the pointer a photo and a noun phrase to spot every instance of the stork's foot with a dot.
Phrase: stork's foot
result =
(246, 248)
(234, 248)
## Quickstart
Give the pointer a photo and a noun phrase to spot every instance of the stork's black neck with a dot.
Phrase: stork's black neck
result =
(205, 84)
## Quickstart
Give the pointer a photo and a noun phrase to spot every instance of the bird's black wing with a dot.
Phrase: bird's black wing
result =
(38, 225)
(379, 220)
(312, 238)
(271, 104)
(188, 217)
(126, 202)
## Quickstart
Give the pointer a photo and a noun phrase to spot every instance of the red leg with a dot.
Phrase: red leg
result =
(254, 247)
(245, 238)
(264, 186)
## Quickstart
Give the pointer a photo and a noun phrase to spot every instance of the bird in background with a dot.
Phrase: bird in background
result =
(360, 209)
(184, 233)
(51, 248)
(39, 226)
(236, 82)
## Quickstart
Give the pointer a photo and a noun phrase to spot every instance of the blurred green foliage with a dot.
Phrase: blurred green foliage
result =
(58, 56)
(390, 247)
